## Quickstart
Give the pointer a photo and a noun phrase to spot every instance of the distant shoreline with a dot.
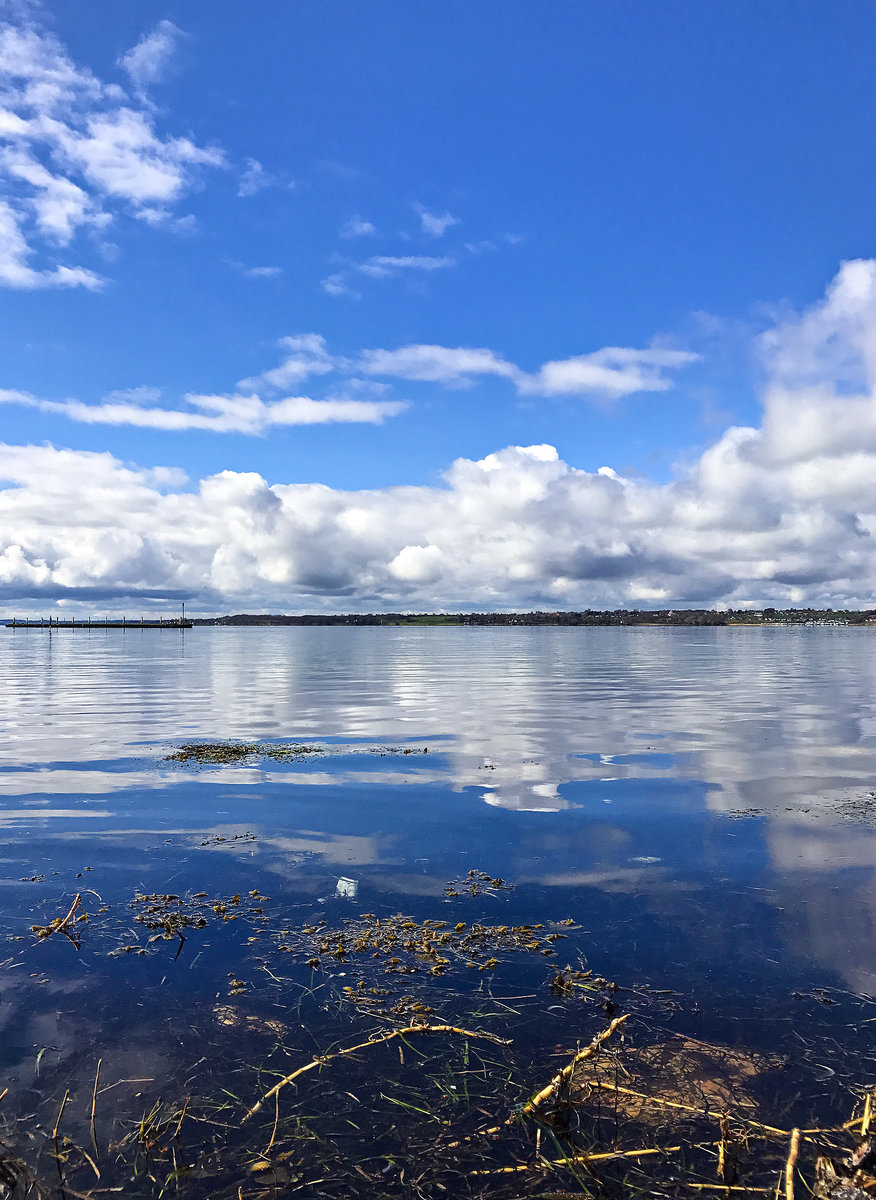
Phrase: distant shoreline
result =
(589, 617)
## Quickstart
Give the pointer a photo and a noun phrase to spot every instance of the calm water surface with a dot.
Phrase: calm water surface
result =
(700, 802)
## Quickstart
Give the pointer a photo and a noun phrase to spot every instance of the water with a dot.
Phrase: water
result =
(699, 802)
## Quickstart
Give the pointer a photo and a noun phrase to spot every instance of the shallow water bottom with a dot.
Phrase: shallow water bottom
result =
(620, 827)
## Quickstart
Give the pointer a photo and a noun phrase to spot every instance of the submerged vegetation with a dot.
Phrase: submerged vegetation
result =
(384, 1054)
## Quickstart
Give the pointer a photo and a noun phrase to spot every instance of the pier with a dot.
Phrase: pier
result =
(94, 623)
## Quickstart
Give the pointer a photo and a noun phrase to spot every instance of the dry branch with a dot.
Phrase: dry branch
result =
(791, 1164)
(59, 924)
(546, 1163)
(374, 1041)
(565, 1074)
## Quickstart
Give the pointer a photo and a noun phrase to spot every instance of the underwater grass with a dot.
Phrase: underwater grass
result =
(356, 1069)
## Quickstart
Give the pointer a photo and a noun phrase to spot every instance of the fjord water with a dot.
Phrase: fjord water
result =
(699, 801)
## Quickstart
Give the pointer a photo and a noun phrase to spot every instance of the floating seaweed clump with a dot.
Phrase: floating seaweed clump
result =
(405, 946)
(220, 753)
(474, 883)
(208, 753)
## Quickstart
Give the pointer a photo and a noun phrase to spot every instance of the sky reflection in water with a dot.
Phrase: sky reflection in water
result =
(687, 793)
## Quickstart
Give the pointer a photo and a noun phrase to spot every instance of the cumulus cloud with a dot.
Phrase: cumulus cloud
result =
(74, 151)
(782, 513)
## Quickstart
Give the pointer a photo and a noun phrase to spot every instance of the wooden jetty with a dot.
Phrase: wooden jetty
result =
(94, 623)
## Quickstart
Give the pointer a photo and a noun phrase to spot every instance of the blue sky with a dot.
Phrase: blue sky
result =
(285, 300)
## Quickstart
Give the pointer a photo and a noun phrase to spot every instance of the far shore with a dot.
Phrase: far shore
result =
(594, 617)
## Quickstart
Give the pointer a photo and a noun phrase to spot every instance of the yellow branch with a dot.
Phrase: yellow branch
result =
(374, 1041)
(545, 1163)
(791, 1164)
(563, 1076)
(59, 924)
(560, 1077)
(726, 1187)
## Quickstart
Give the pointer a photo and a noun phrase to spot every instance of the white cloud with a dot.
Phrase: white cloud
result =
(418, 564)
(136, 395)
(254, 178)
(432, 224)
(256, 272)
(16, 272)
(357, 227)
(244, 414)
(784, 513)
(338, 285)
(382, 266)
(77, 151)
(605, 374)
(120, 154)
(147, 62)
(612, 372)
(436, 364)
(307, 355)
(608, 373)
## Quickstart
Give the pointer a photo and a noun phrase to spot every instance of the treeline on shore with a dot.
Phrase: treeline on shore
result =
(590, 616)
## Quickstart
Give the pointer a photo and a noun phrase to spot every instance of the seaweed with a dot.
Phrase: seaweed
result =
(375, 1056)
(209, 753)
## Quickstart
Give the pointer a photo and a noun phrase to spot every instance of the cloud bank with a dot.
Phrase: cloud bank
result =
(781, 513)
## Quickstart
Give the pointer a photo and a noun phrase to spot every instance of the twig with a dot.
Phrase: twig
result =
(181, 1118)
(868, 1112)
(791, 1164)
(76, 904)
(565, 1074)
(94, 1105)
(722, 1149)
(558, 1079)
(59, 925)
(374, 1041)
(545, 1163)
(726, 1187)
(276, 1123)
(89, 1160)
(60, 1114)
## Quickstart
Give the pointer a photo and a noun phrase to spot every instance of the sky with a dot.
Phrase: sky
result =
(352, 307)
